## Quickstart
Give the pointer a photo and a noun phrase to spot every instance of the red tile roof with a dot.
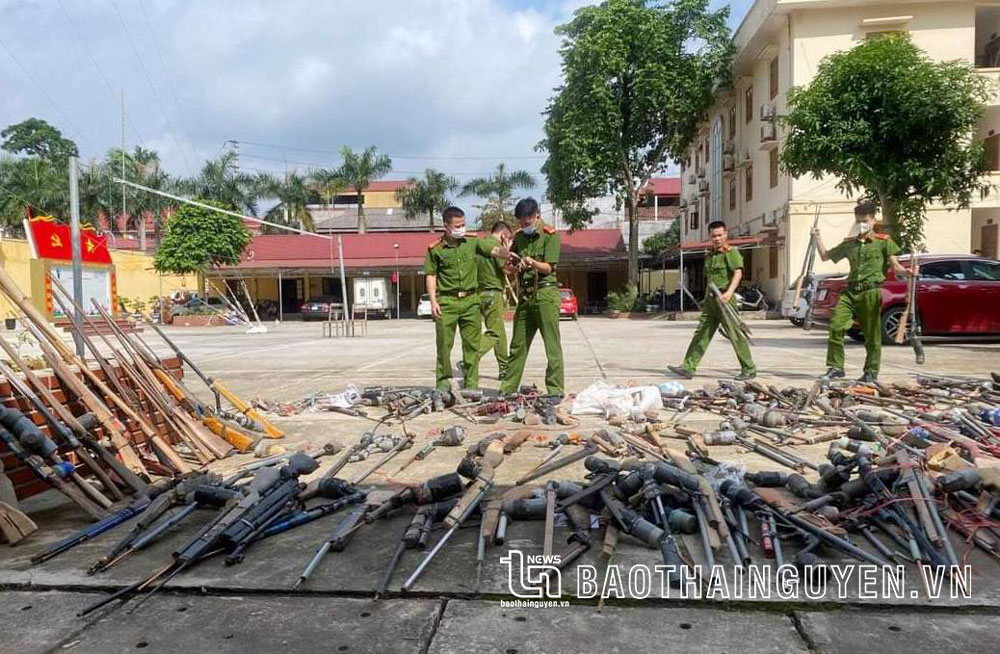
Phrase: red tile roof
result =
(663, 186)
(376, 249)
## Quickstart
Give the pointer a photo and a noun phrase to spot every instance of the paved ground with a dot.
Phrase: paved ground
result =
(250, 608)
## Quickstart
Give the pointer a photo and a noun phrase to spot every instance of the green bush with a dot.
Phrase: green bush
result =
(623, 300)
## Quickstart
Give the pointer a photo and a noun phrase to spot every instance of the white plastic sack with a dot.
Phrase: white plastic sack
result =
(600, 398)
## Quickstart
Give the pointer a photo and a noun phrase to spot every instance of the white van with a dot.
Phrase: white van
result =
(376, 294)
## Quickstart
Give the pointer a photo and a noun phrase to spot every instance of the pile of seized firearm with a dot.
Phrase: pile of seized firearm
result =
(103, 433)
(905, 466)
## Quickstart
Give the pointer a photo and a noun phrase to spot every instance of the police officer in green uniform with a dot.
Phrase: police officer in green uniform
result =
(869, 254)
(452, 280)
(491, 300)
(723, 267)
(537, 247)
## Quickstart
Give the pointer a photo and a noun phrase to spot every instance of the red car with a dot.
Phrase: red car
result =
(568, 306)
(957, 295)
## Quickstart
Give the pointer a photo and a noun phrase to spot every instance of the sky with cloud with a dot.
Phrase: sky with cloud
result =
(458, 85)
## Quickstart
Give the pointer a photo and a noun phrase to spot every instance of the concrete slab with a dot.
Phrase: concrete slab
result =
(488, 628)
(898, 632)
(268, 625)
(37, 622)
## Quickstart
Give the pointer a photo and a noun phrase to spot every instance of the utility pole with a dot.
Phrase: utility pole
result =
(235, 149)
(123, 157)
(343, 284)
(74, 235)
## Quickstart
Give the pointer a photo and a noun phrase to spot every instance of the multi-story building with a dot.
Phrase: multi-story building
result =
(731, 170)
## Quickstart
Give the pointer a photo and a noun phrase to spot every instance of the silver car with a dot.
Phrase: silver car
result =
(797, 314)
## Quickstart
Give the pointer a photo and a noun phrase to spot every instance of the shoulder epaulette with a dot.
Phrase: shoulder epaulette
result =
(726, 248)
(431, 246)
(882, 237)
(549, 229)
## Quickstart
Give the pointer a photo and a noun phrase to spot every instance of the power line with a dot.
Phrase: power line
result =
(159, 55)
(48, 97)
(316, 166)
(100, 71)
(397, 156)
(152, 87)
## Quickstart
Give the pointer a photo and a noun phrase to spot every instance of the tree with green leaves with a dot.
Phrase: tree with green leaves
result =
(294, 195)
(35, 182)
(427, 196)
(36, 138)
(328, 184)
(359, 170)
(221, 180)
(497, 189)
(197, 239)
(99, 191)
(660, 242)
(638, 78)
(891, 125)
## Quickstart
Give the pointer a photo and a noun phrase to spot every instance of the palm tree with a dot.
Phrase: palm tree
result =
(143, 167)
(328, 184)
(220, 180)
(359, 170)
(497, 189)
(293, 194)
(429, 195)
(31, 181)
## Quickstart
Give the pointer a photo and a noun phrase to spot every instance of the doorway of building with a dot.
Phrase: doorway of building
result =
(291, 295)
(597, 291)
(988, 240)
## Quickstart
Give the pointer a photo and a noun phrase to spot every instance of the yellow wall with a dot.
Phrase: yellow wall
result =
(378, 199)
(134, 273)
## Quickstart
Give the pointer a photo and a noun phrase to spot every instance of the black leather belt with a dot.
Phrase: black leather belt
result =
(863, 286)
(459, 294)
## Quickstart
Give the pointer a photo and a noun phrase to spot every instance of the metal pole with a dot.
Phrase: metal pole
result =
(398, 279)
(74, 235)
(681, 280)
(343, 279)
(281, 300)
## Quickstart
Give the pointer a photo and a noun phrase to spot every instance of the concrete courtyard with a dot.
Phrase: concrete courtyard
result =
(251, 608)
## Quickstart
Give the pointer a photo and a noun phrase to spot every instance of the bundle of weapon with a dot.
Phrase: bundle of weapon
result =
(272, 501)
(120, 424)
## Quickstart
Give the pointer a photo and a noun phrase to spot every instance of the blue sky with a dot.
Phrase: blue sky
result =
(458, 85)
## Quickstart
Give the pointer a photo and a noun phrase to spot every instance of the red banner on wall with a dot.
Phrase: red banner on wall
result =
(51, 240)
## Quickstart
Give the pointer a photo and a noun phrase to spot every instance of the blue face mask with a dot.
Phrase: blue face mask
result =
(530, 230)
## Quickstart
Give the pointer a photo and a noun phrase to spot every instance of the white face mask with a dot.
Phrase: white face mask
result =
(530, 229)
(457, 232)
(864, 228)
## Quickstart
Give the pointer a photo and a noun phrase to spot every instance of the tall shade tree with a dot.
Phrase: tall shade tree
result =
(427, 196)
(220, 180)
(891, 124)
(36, 138)
(638, 78)
(497, 189)
(359, 170)
(141, 166)
(198, 239)
(294, 194)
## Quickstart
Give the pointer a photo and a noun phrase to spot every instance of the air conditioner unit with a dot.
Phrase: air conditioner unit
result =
(770, 218)
(701, 171)
(728, 162)
(691, 178)
(768, 132)
(767, 112)
(747, 158)
(682, 204)
(703, 187)
(728, 147)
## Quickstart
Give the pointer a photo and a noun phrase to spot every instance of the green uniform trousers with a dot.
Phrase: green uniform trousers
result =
(492, 307)
(462, 313)
(866, 306)
(708, 323)
(537, 312)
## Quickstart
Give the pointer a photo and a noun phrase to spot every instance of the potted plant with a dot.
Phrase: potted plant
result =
(621, 303)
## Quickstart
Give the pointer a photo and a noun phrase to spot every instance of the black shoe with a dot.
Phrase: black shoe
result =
(681, 372)
(745, 376)
(868, 378)
(833, 373)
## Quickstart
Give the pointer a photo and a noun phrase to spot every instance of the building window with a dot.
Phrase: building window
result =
(773, 77)
(694, 221)
(748, 182)
(748, 104)
(707, 150)
(773, 262)
(773, 162)
(732, 194)
(732, 122)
